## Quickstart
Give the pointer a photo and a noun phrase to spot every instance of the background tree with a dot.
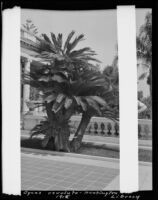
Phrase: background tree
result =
(111, 73)
(147, 114)
(144, 48)
(70, 83)
(115, 60)
(147, 101)
(140, 95)
(29, 26)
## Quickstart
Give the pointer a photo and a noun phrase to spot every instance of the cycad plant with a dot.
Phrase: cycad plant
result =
(69, 84)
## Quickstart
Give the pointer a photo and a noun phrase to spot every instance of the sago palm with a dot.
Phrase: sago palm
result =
(69, 84)
(63, 99)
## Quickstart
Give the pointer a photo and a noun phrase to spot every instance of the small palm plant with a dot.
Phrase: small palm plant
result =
(69, 84)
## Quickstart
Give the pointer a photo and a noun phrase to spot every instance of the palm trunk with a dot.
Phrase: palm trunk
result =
(51, 119)
(76, 141)
(61, 140)
(64, 133)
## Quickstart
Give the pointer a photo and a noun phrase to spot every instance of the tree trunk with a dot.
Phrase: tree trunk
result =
(61, 139)
(77, 139)
(51, 119)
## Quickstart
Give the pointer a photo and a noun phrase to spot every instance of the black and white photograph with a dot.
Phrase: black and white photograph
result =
(69, 107)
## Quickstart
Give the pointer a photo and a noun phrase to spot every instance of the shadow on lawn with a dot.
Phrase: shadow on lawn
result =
(86, 149)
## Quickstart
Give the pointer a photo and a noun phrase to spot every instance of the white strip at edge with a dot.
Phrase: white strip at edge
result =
(11, 168)
(127, 62)
(11, 100)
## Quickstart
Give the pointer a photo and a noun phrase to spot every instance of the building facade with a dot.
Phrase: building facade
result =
(29, 50)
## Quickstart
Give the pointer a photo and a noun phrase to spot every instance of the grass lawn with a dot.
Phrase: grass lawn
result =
(88, 149)
(144, 155)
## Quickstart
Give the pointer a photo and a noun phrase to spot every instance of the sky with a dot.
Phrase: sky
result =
(99, 27)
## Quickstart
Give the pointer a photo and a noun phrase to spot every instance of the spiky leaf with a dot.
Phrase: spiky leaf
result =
(83, 105)
(68, 39)
(50, 98)
(60, 97)
(93, 105)
(57, 106)
(78, 100)
(99, 100)
(46, 38)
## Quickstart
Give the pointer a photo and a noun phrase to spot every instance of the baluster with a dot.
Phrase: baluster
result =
(89, 129)
(146, 130)
(109, 127)
(102, 126)
(139, 130)
(116, 127)
(22, 122)
(96, 128)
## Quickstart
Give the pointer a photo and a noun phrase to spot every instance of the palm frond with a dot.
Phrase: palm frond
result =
(60, 98)
(68, 40)
(46, 46)
(99, 100)
(82, 104)
(46, 38)
(55, 41)
(92, 103)
(57, 106)
(87, 58)
(50, 56)
(50, 98)
(77, 99)
(82, 52)
(59, 39)
(72, 45)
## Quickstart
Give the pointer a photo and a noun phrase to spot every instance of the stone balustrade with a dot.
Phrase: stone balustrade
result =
(105, 127)
(98, 125)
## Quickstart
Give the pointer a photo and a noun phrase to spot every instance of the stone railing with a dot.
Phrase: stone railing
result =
(105, 127)
(98, 125)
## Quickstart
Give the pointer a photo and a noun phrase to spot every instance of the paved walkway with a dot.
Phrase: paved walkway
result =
(45, 170)
(58, 173)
